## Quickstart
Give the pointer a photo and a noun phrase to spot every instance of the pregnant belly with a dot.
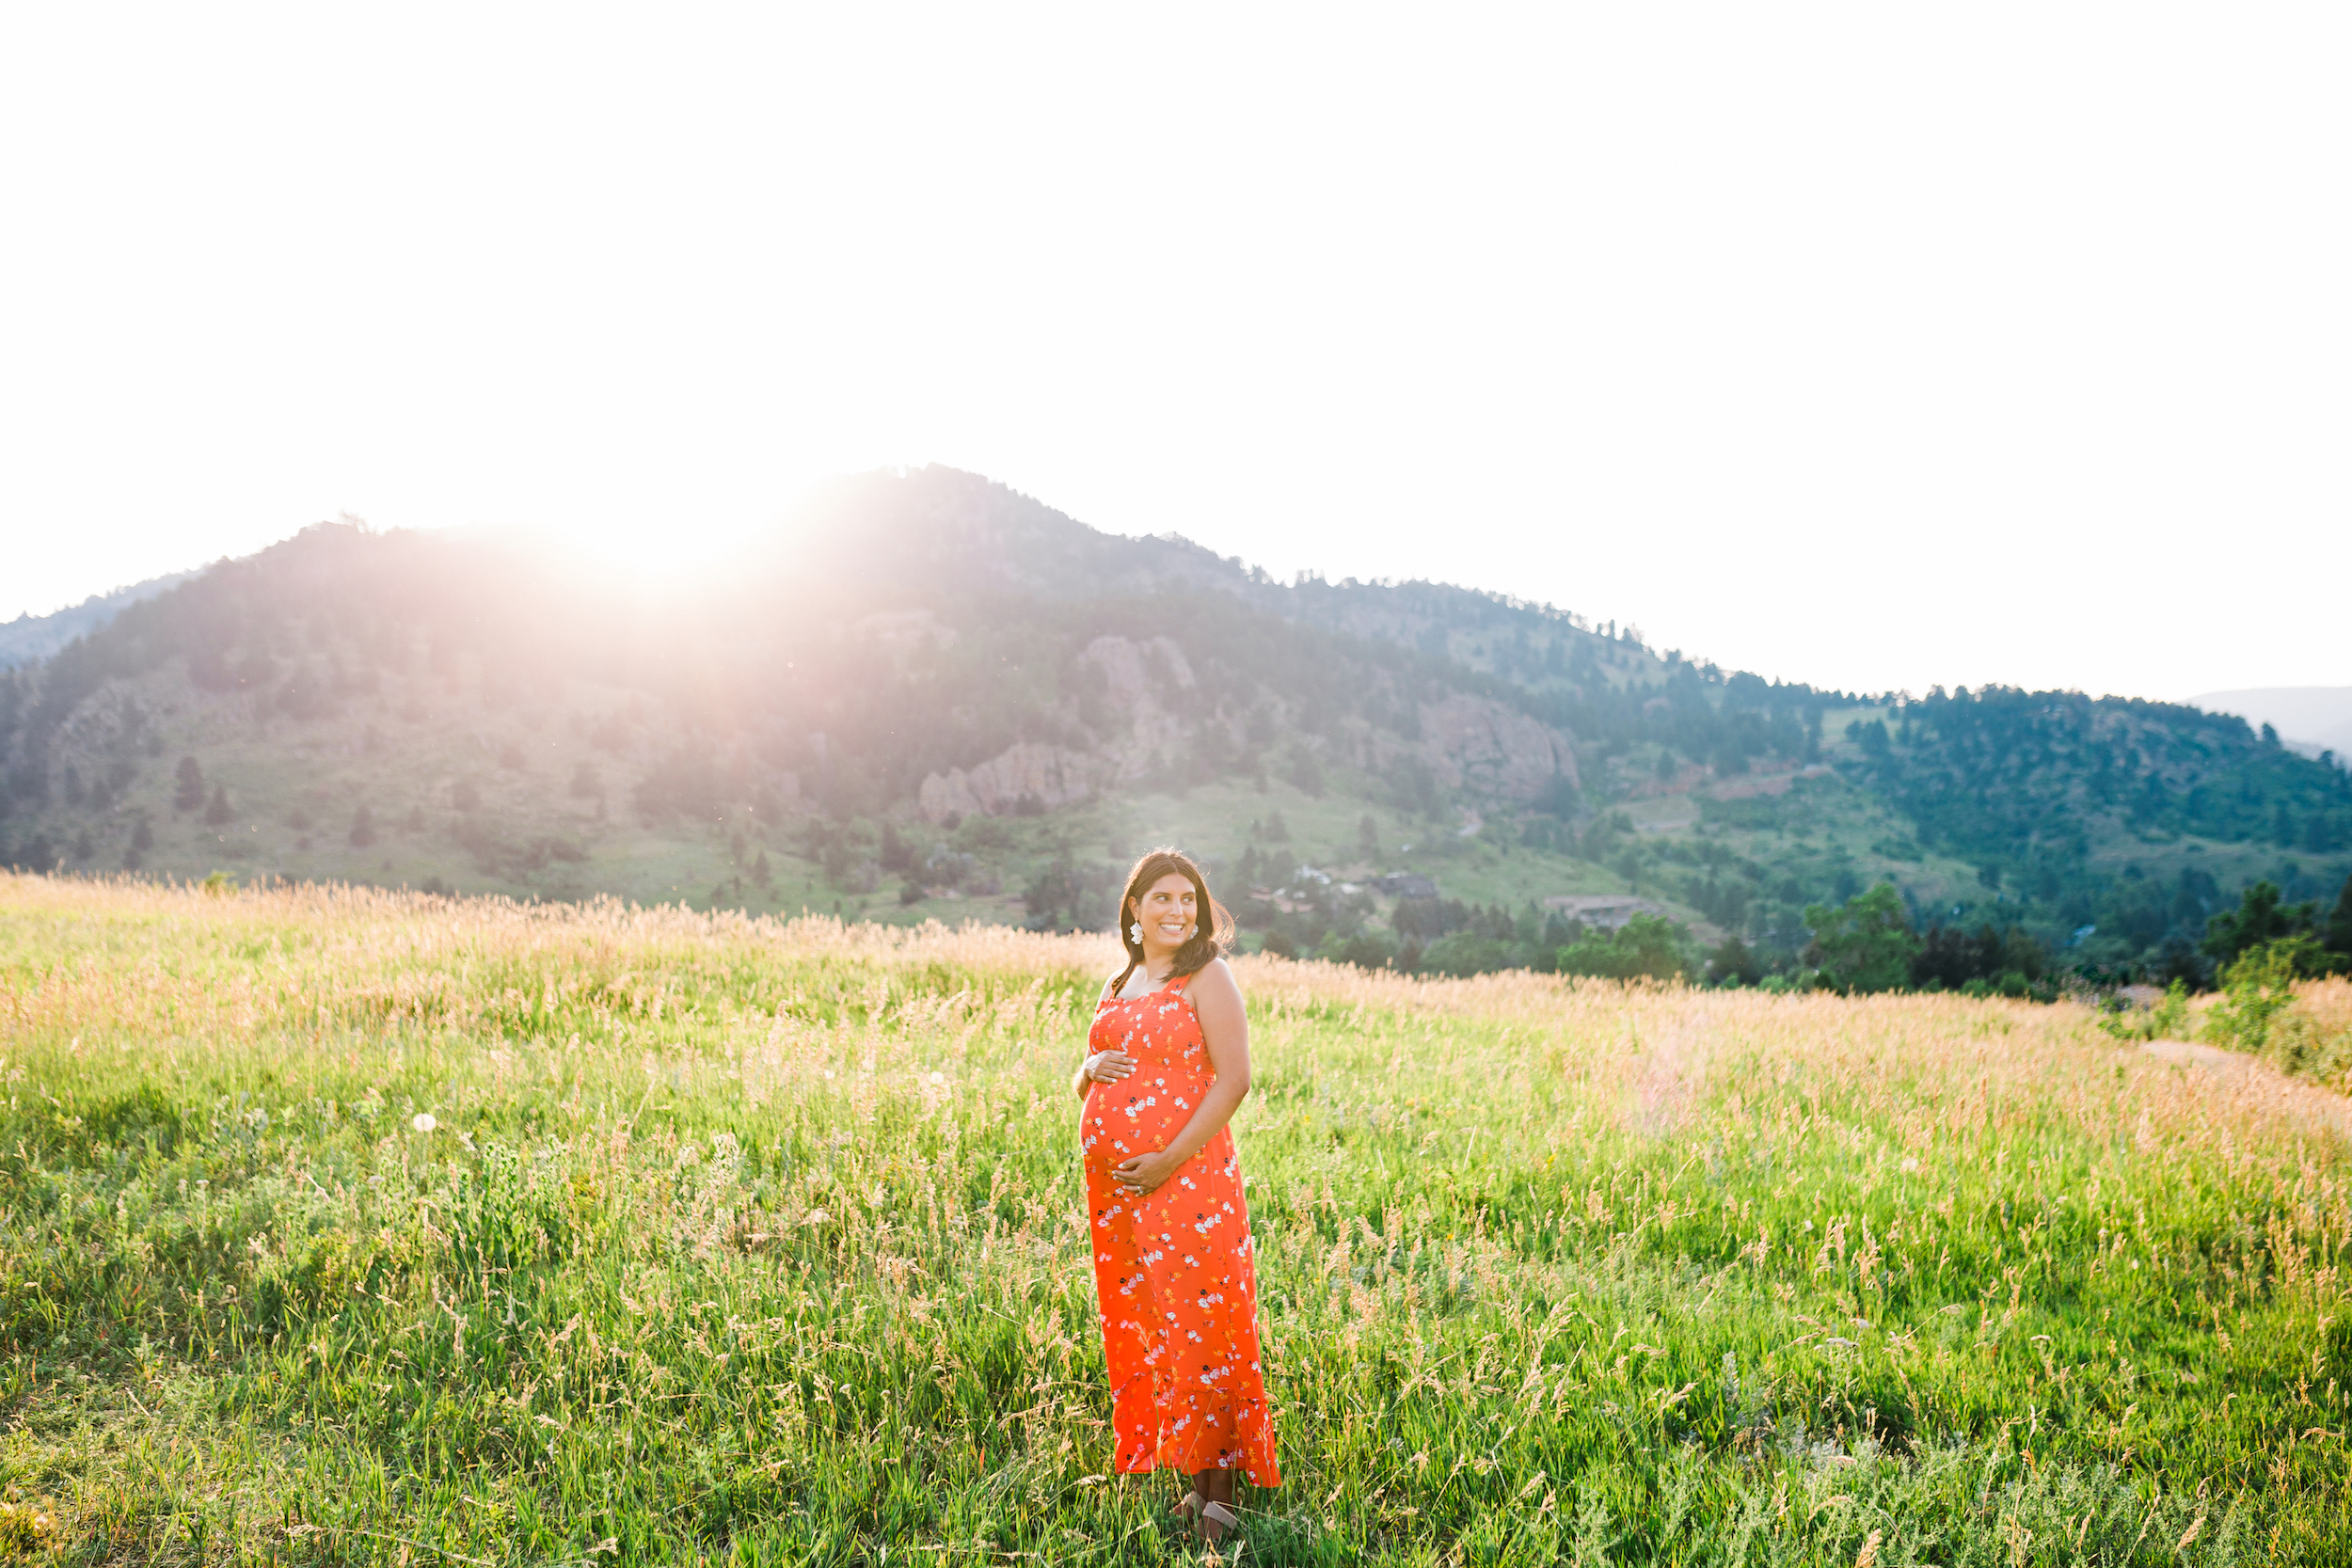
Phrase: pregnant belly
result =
(1121, 1122)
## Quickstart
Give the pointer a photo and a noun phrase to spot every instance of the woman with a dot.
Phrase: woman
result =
(1175, 1275)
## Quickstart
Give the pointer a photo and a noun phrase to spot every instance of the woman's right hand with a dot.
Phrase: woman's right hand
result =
(1109, 1066)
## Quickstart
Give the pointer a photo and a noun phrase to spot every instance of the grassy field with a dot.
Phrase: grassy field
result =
(360, 1227)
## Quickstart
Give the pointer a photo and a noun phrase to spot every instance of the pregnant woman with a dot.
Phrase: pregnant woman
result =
(1175, 1274)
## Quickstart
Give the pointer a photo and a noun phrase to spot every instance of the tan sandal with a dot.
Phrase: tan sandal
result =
(1224, 1518)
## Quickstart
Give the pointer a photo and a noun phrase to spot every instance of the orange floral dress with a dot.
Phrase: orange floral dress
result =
(1175, 1272)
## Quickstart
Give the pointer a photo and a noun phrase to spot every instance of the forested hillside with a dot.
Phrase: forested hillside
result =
(932, 696)
(31, 637)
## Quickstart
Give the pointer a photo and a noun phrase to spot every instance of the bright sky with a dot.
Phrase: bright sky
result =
(1876, 346)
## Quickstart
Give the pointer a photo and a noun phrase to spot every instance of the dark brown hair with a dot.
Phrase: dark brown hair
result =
(1212, 926)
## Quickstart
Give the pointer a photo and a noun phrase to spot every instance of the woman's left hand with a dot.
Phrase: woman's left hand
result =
(1145, 1172)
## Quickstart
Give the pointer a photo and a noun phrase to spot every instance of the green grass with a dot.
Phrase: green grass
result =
(743, 1244)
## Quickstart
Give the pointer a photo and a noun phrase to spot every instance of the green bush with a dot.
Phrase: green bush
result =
(2167, 1019)
(1365, 950)
(1646, 947)
(2255, 990)
(1865, 943)
(1466, 953)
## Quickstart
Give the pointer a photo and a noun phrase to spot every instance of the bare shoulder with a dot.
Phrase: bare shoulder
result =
(1216, 980)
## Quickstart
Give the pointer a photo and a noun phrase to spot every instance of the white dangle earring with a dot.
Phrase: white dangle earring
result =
(1136, 931)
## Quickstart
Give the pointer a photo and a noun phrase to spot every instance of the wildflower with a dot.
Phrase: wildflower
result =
(939, 1078)
(423, 1121)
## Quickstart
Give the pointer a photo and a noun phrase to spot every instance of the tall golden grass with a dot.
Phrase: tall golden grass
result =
(737, 1236)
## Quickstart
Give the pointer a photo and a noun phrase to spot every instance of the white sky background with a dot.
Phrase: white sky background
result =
(1874, 346)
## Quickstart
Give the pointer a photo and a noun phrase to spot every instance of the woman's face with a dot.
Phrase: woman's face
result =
(1167, 911)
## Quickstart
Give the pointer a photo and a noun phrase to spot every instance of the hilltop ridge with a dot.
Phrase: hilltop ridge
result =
(2313, 719)
(927, 694)
(30, 638)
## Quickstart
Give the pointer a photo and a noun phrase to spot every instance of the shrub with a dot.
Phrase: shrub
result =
(1365, 950)
(2313, 1036)
(187, 790)
(2167, 1019)
(2258, 986)
(1645, 947)
(1734, 964)
(1867, 944)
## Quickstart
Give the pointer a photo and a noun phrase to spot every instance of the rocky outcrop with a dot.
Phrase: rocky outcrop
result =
(1478, 743)
(1472, 743)
(1146, 737)
(1029, 774)
(1135, 675)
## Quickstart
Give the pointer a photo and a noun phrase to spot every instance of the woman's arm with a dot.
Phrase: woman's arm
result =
(1225, 1029)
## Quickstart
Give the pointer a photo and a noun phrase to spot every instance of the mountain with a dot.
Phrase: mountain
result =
(2311, 719)
(31, 637)
(928, 696)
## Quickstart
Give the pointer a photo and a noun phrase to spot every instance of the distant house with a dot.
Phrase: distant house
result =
(1606, 910)
(1405, 884)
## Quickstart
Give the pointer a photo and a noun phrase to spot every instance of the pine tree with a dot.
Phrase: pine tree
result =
(1306, 774)
(187, 791)
(2339, 932)
(2261, 916)
(217, 813)
(362, 827)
